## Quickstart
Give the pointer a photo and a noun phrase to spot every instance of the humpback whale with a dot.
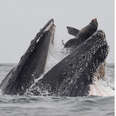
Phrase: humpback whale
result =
(32, 63)
(73, 75)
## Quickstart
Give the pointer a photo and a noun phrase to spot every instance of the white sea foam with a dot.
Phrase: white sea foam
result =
(100, 88)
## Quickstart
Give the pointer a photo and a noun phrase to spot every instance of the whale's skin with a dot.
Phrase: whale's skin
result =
(73, 75)
(81, 35)
(31, 64)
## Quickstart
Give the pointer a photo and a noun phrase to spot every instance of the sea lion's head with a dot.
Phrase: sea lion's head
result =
(94, 22)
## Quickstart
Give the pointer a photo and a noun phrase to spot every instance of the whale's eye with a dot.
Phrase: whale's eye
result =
(64, 74)
(83, 57)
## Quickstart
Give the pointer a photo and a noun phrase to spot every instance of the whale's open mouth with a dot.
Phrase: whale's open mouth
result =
(70, 77)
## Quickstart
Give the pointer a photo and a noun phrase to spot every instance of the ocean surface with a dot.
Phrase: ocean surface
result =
(58, 106)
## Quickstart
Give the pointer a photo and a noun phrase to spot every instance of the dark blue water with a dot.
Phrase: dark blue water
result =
(56, 106)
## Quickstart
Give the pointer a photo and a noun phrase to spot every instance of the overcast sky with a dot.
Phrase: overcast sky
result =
(20, 20)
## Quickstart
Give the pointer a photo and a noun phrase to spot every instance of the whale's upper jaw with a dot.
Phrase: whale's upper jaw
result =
(93, 58)
(89, 56)
(93, 51)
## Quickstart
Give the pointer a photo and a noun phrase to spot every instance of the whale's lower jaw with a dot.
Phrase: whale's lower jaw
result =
(31, 65)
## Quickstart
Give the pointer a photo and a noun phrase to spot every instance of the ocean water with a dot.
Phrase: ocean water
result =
(58, 106)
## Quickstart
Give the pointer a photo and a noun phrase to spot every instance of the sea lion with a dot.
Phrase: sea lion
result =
(81, 35)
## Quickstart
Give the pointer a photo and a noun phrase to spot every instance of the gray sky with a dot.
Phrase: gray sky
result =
(20, 20)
